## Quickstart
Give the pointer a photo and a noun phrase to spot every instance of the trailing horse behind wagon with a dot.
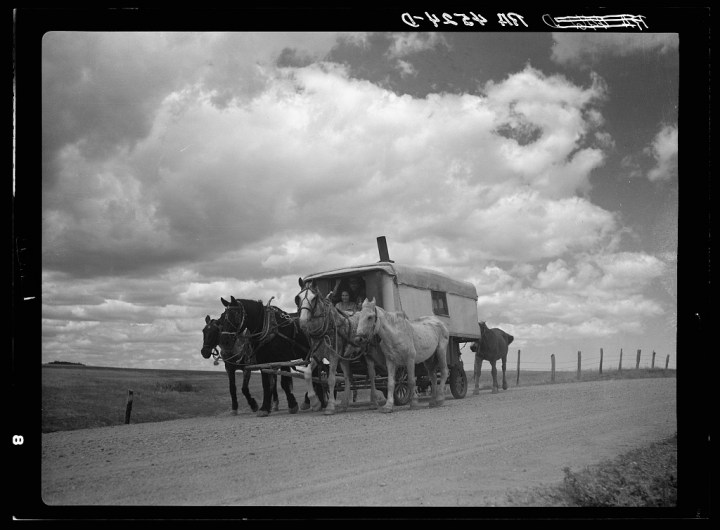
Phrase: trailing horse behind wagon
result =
(492, 346)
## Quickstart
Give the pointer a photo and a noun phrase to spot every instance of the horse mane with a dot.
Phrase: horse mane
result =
(395, 317)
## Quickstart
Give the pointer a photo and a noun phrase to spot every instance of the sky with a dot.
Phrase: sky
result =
(182, 167)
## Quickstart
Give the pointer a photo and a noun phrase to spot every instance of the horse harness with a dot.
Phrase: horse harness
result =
(252, 342)
(323, 333)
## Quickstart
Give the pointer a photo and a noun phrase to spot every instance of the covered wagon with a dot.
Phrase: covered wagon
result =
(417, 292)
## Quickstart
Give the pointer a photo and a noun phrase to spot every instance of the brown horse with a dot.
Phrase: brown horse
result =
(493, 345)
(211, 341)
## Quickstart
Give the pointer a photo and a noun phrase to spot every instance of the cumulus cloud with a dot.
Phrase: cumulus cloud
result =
(579, 48)
(664, 150)
(206, 179)
(404, 44)
(235, 166)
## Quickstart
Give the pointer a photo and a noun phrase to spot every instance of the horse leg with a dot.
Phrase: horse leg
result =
(438, 390)
(330, 408)
(246, 390)
(287, 385)
(434, 392)
(504, 363)
(319, 391)
(233, 388)
(390, 402)
(495, 388)
(274, 395)
(476, 374)
(345, 401)
(410, 367)
(267, 382)
(312, 398)
(441, 354)
(375, 399)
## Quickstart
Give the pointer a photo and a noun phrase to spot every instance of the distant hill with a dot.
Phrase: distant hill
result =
(65, 362)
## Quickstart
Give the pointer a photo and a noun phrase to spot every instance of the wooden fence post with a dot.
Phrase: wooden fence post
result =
(667, 361)
(620, 365)
(128, 407)
(517, 381)
(552, 368)
(652, 363)
(637, 361)
(579, 359)
(601, 359)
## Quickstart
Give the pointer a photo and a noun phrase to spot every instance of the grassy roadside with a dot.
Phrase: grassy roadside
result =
(645, 477)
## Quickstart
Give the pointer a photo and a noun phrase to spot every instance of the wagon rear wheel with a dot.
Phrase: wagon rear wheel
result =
(401, 395)
(458, 381)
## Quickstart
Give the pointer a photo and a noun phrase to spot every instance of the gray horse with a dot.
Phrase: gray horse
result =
(493, 345)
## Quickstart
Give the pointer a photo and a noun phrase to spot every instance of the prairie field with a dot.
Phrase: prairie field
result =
(82, 397)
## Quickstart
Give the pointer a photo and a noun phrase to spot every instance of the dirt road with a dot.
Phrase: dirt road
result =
(470, 452)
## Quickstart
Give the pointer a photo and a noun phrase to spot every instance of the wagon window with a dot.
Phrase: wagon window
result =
(439, 303)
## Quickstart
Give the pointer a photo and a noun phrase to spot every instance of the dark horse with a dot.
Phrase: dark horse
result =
(493, 345)
(211, 340)
(264, 334)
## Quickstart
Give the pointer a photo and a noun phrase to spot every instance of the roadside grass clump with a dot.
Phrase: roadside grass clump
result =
(641, 478)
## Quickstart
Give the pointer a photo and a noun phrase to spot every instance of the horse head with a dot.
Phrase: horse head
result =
(367, 318)
(475, 346)
(307, 300)
(211, 337)
(232, 323)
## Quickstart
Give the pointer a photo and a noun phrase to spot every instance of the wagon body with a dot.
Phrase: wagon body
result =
(418, 292)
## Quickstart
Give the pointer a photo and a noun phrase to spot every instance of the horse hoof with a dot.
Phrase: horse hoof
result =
(294, 410)
(304, 406)
(434, 404)
(233, 412)
(262, 413)
(254, 407)
(476, 392)
(329, 412)
(373, 406)
(385, 410)
(276, 406)
(315, 403)
(504, 387)
(495, 391)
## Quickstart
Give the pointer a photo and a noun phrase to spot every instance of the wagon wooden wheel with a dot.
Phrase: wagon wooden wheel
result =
(401, 395)
(458, 382)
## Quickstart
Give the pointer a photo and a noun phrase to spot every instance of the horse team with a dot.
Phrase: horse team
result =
(249, 334)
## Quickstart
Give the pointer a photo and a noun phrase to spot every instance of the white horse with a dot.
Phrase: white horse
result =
(332, 336)
(405, 342)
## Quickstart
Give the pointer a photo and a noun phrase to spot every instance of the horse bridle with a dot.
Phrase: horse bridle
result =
(238, 329)
(215, 352)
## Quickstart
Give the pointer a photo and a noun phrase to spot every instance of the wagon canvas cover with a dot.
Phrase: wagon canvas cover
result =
(410, 290)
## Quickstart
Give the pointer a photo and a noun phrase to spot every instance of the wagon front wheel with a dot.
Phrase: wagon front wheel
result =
(458, 381)
(401, 395)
